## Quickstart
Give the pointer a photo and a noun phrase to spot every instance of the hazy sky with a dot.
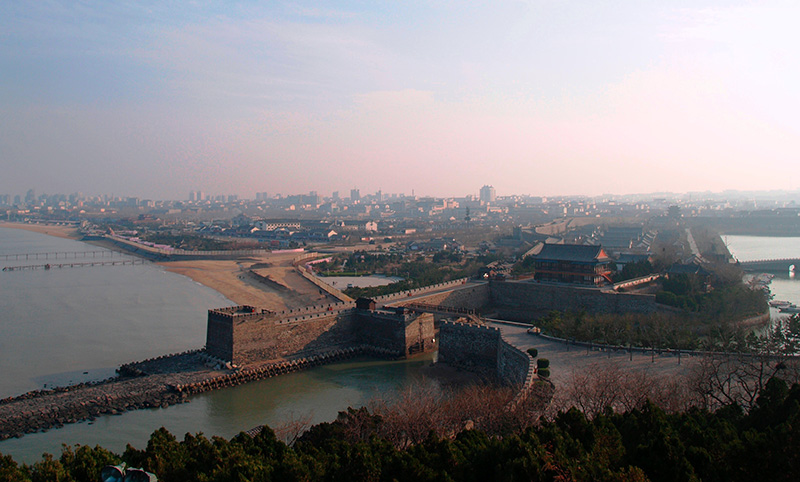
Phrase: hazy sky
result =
(155, 99)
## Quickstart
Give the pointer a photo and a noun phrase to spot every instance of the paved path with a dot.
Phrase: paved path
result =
(427, 294)
(565, 358)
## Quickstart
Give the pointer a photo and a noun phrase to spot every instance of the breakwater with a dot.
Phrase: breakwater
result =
(155, 383)
(275, 369)
(44, 409)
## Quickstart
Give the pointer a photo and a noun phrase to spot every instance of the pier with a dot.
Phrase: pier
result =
(105, 253)
(120, 262)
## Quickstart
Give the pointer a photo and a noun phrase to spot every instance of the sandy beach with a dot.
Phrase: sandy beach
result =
(66, 232)
(231, 278)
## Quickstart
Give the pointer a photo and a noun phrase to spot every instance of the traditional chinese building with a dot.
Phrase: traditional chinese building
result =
(573, 263)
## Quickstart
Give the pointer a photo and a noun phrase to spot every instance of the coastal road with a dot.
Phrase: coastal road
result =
(565, 358)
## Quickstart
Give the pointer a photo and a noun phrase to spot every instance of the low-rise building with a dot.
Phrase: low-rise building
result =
(573, 263)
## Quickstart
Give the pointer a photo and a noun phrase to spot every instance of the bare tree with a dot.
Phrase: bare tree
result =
(291, 430)
(598, 386)
(725, 379)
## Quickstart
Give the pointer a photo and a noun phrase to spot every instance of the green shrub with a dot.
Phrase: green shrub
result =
(667, 298)
(543, 363)
(544, 372)
(533, 352)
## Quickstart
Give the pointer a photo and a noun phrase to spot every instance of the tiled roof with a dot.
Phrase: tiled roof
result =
(573, 252)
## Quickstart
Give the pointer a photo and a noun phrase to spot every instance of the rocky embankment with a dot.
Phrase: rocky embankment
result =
(154, 383)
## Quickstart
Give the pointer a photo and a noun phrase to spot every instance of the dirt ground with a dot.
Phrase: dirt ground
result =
(287, 289)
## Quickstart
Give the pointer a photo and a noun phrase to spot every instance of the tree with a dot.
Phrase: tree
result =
(10, 471)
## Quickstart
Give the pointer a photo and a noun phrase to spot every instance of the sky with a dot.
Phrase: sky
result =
(551, 97)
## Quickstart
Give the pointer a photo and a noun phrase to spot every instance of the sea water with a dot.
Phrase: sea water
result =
(63, 326)
(752, 248)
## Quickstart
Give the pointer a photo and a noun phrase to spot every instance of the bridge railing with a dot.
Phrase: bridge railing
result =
(768, 261)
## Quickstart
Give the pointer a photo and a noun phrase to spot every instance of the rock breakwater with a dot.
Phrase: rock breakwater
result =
(155, 383)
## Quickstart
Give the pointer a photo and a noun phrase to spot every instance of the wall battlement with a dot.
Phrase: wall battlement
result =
(244, 335)
(524, 300)
(483, 349)
(238, 313)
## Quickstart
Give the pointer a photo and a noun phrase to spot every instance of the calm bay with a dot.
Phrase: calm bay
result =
(63, 326)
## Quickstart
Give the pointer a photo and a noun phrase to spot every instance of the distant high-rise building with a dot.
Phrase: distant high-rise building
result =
(192, 196)
(335, 195)
(355, 195)
(30, 196)
(488, 194)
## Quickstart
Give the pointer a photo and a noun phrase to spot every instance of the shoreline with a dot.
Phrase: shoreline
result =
(154, 383)
(55, 230)
(220, 276)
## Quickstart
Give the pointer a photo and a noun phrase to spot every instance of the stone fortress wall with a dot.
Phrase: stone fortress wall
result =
(482, 349)
(473, 297)
(246, 335)
(526, 300)
(243, 335)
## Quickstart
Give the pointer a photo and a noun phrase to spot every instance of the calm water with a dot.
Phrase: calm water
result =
(751, 248)
(56, 325)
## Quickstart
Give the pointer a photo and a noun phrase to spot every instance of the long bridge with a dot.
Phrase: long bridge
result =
(770, 265)
(105, 253)
(68, 264)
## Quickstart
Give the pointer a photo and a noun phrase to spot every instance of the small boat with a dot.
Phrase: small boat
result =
(779, 304)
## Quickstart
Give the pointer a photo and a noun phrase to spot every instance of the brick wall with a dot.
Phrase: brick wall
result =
(420, 334)
(219, 337)
(474, 297)
(472, 347)
(483, 350)
(383, 330)
(257, 337)
(263, 337)
(526, 300)
(513, 365)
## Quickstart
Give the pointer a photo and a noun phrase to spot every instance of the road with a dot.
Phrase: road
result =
(565, 358)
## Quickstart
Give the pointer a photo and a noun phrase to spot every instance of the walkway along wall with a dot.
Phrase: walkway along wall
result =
(473, 297)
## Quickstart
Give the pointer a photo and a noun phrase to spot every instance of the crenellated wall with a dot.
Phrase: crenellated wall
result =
(527, 300)
(401, 333)
(472, 347)
(482, 349)
(385, 299)
(513, 365)
(270, 338)
(473, 297)
(246, 336)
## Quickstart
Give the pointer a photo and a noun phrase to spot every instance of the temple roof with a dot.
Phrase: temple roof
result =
(573, 252)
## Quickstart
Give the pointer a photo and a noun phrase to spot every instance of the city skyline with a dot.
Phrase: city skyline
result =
(546, 98)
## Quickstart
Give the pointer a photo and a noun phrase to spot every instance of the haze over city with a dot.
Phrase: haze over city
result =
(538, 97)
